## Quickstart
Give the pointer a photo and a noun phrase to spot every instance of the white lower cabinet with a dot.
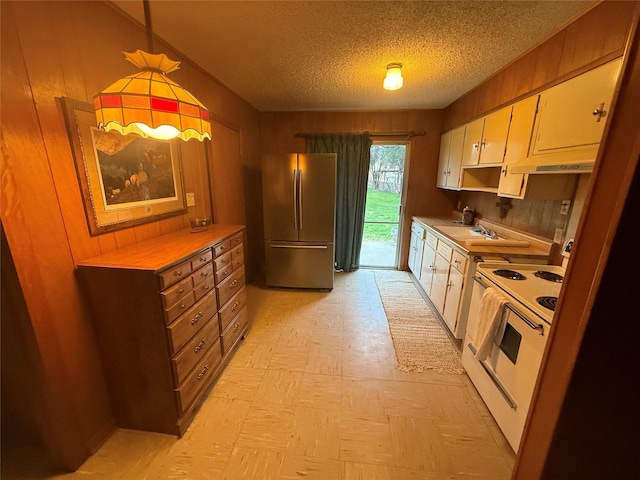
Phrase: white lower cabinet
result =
(428, 262)
(416, 248)
(443, 277)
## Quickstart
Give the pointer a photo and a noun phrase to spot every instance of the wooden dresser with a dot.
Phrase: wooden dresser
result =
(167, 313)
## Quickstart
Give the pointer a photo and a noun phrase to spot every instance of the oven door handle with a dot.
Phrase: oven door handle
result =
(495, 380)
(536, 326)
(480, 281)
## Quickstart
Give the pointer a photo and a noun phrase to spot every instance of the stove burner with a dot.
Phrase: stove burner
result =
(547, 302)
(510, 274)
(550, 276)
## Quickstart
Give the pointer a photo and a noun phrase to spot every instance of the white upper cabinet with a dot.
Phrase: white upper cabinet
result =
(512, 185)
(485, 139)
(450, 159)
(572, 115)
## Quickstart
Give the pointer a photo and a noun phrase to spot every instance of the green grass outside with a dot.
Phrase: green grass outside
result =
(381, 207)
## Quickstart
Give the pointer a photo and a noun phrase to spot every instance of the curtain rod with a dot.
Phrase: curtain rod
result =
(373, 134)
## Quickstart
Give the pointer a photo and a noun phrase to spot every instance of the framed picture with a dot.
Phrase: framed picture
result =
(125, 180)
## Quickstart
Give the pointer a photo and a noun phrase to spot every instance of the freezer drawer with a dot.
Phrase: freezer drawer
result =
(299, 264)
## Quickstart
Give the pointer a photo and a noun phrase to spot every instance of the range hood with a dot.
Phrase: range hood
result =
(555, 163)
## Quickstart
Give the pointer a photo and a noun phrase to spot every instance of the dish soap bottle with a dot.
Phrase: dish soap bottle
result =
(468, 215)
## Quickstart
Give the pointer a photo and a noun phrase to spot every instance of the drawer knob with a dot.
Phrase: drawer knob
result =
(235, 305)
(233, 284)
(181, 290)
(235, 329)
(225, 274)
(203, 259)
(205, 287)
(200, 345)
(203, 371)
(204, 274)
(182, 305)
(178, 273)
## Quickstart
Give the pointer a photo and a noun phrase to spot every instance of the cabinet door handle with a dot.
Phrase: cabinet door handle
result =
(599, 112)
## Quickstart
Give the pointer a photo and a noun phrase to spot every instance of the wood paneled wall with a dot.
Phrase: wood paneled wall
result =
(594, 38)
(74, 49)
(421, 196)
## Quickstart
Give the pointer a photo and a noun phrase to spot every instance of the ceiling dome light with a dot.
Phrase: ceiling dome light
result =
(393, 80)
(151, 105)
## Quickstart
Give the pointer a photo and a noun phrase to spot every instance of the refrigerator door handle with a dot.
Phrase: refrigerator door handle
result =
(305, 247)
(300, 206)
(295, 198)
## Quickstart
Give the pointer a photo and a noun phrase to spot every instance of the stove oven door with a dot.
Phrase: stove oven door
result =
(506, 379)
(515, 358)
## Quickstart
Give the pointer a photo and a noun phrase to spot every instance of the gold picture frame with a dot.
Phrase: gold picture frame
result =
(125, 180)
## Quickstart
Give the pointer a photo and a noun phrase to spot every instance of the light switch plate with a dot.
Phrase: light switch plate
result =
(557, 237)
(191, 199)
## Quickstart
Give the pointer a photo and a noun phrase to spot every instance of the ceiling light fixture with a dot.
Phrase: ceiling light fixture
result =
(148, 103)
(393, 80)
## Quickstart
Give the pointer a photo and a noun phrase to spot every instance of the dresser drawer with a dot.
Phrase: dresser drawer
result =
(234, 330)
(221, 248)
(201, 259)
(194, 351)
(171, 295)
(230, 286)
(185, 327)
(199, 377)
(459, 261)
(236, 239)
(231, 309)
(223, 261)
(205, 287)
(202, 274)
(223, 273)
(180, 307)
(238, 262)
(445, 250)
(175, 274)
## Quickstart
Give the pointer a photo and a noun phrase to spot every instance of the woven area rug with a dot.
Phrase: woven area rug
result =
(419, 340)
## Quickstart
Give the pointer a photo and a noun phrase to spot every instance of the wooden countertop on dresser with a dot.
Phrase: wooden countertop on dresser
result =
(164, 251)
(538, 248)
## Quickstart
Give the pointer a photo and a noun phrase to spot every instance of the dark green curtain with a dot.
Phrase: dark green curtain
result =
(351, 190)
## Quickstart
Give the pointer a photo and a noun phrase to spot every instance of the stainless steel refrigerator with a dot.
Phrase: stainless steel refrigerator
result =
(299, 203)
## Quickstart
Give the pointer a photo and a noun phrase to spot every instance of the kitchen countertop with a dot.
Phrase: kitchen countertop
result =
(538, 248)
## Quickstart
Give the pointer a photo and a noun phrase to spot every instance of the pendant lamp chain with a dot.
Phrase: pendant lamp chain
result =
(147, 24)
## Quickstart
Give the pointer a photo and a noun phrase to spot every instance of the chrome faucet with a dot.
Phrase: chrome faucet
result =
(485, 231)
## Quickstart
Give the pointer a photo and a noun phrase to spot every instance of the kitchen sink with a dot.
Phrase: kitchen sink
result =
(463, 233)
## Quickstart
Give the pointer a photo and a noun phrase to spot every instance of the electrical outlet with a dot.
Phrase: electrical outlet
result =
(564, 209)
(557, 237)
(191, 199)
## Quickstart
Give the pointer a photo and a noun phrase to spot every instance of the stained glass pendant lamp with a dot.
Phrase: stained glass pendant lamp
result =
(150, 104)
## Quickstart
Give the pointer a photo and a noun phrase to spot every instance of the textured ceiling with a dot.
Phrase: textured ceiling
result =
(331, 55)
